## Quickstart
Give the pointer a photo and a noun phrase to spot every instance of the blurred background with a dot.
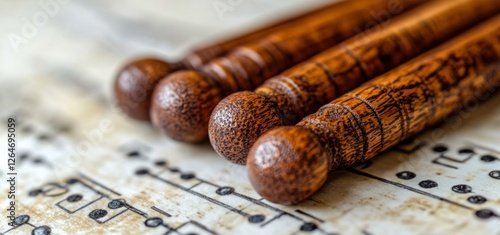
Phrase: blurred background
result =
(58, 60)
(92, 39)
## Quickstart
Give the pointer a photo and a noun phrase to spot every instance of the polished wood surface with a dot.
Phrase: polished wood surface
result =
(136, 80)
(288, 164)
(241, 118)
(182, 111)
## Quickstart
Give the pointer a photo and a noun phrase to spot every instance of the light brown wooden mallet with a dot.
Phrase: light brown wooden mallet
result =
(182, 102)
(239, 119)
(289, 164)
(135, 82)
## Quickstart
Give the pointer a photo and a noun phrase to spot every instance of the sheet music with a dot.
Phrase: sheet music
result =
(81, 167)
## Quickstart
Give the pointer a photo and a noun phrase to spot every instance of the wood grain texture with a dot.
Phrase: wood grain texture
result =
(135, 82)
(238, 120)
(203, 55)
(379, 114)
(246, 67)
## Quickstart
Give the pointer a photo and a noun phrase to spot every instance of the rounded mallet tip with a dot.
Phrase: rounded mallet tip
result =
(134, 85)
(237, 121)
(288, 164)
(181, 106)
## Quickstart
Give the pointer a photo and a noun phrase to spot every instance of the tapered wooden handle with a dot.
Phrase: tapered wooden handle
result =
(241, 118)
(196, 59)
(135, 82)
(288, 164)
(248, 66)
(184, 115)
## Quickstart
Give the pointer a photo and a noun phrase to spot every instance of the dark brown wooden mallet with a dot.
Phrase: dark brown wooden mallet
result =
(182, 102)
(288, 164)
(239, 119)
(135, 82)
